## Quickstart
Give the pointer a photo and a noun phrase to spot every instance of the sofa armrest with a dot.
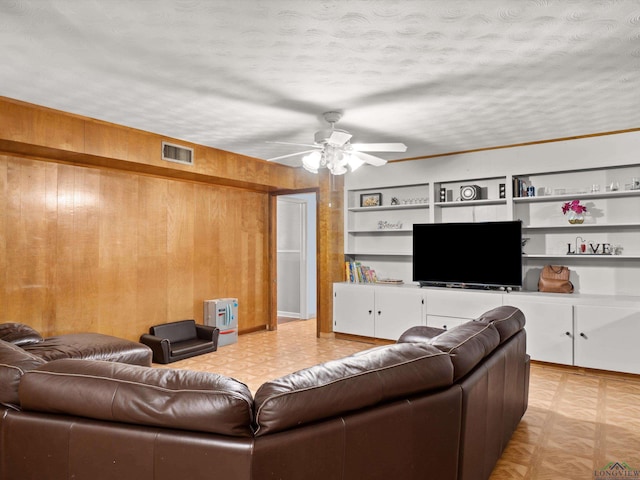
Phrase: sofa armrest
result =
(160, 347)
(19, 334)
(206, 332)
(14, 362)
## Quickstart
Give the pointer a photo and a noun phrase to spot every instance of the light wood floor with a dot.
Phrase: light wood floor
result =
(577, 422)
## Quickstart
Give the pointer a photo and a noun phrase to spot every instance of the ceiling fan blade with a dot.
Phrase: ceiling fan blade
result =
(370, 159)
(295, 144)
(379, 147)
(338, 138)
(290, 155)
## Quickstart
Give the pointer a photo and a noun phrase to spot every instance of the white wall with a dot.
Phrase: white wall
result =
(607, 150)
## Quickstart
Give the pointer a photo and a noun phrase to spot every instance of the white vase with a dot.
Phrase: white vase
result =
(575, 218)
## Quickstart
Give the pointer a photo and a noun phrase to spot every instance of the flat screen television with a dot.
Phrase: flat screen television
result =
(469, 254)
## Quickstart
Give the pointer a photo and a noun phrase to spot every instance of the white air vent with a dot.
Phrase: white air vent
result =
(176, 153)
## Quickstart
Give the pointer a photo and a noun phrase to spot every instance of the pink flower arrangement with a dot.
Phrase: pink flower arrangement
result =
(573, 205)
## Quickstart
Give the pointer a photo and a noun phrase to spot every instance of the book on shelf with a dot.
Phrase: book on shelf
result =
(519, 187)
(358, 273)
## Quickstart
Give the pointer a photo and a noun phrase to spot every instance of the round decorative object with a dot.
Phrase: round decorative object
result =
(469, 192)
(575, 218)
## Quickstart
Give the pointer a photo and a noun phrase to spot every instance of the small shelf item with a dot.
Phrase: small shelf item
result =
(575, 210)
(370, 199)
(385, 225)
(358, 273)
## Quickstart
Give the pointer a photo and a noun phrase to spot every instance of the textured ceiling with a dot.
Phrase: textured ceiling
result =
(440, 76)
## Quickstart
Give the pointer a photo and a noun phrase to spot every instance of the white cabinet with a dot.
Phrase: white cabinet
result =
(591, 331)
(549, 326)
(447, 308)
(353, 307)
(376, 311)
(607, 337)
(396, 310)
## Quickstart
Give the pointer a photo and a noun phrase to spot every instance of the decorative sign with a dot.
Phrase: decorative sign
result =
(589, 249)
(384, 225)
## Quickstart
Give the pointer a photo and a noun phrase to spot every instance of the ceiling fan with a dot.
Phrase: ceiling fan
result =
(332, 149)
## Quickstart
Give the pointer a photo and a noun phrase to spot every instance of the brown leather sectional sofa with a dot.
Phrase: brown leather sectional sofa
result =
(436, 404)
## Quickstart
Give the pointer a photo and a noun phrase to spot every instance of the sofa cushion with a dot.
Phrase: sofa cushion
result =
(14, 362)
(179, 331)
(339, 386)
(191, 347)
(507, 319)
(110, 391)
(467, 344)
(92, 346)
(19, 334)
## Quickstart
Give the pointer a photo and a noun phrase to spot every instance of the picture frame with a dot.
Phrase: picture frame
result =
(370, 199)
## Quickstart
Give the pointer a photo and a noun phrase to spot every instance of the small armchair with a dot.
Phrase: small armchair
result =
(175, 341)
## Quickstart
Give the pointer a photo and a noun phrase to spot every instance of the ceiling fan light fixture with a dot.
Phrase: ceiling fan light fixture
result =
(354, 162)
(334, 159)
(336, 153)
(311, 162)
(337, 168)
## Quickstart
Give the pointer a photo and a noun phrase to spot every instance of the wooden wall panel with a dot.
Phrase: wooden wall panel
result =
(153, 264)
(228, 240)
(87, 249)
(255, 258)
(76, 249)
(23, 123)
(180, 249)
(206, 246)
(98, 234)
(32, 130)
(330, 246)
(4, 204)
(106, 140)
(117, 251)
(29, 237)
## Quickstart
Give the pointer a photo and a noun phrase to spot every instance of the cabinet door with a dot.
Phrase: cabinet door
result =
(607, 338)
(549, 328)
(353, 309)
(396, 310)
(445, 322)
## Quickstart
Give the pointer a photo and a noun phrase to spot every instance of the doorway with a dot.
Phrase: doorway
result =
(296, 257)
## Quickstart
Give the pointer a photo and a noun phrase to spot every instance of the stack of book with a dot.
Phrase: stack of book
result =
(358, 273)
(520, 188)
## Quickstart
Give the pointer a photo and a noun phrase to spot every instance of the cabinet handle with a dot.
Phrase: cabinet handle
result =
(379, 313)
(583, 335)
(568, 334)
(444, 326)
(370, 312)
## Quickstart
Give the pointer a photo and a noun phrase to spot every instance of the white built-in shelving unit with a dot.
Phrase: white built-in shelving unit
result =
(610, 233)
(595, 327)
